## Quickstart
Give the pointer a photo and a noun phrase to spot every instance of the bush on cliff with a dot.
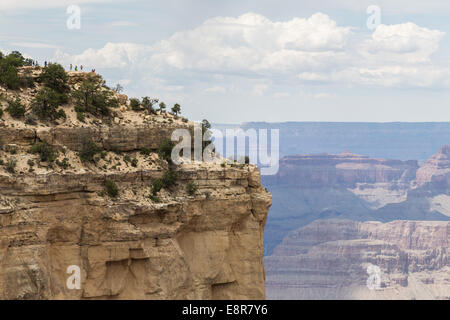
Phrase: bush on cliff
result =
(206, 133)
(165, 149)
(88, 150)
(169, 178)
(8, 69)
(148, 103)
(11, 165)
(55, 77)
(15, 108)
(156, 187)
(191, 188)
(46, 152)
(111, 188)
(135, 104)
(9, 76)
(92, 98)
(46, 103)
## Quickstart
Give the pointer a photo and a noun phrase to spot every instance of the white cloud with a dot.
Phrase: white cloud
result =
(395, 76)
(253, 43)
(405, 42)
(112, 55)
(265, 52)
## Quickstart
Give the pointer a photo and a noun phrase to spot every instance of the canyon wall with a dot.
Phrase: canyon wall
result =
(329, 259)
(198, 236)
(207, 246)
(355, 187)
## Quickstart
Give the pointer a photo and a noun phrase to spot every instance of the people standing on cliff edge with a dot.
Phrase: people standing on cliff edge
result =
(45, 63)
(81, 67)
(70, 67)
(76, 68)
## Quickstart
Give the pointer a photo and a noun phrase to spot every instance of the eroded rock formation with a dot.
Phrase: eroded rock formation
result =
(328, 259)
(205, 244)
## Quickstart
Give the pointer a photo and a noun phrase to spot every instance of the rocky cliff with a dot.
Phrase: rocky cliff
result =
(341, 170)
(329, 259)
(355, 187)
(206, 243)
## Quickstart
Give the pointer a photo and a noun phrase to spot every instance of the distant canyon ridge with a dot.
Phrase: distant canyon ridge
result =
(317, 244)
(351, 195)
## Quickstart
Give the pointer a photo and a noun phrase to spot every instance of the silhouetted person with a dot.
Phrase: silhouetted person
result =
(81, 67)
(70, 67)
(45, 63)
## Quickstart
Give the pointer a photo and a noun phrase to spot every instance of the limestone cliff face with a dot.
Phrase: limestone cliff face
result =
(340, 170)
(187, 247)
(206, 244)
(435, 171)
(328, 259)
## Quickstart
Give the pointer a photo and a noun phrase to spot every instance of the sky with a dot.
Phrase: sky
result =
(233, 61)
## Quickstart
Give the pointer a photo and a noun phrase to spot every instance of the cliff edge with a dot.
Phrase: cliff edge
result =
(198, 236)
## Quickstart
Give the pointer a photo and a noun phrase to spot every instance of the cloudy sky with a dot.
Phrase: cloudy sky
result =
(233, 61)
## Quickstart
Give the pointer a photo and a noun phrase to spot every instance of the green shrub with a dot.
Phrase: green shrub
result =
(134, 162)
(15, 108)
(30, 163)
(8, 69)
(80, 116)
(46, 103)
(62, 114)
(206, 133)
(92, 98)
(176, 109)
(30, 120)
(26, 81)
(1, 143)
(135, 104)
(154, 198)
(55, 77)
(162, 107)
(191, 188)
(165, 149)
(12, 149)
(111, 188)
(46, 152)
(126, 158)
(63, 164)
(89, 150)
(156, 187)
(145, 151)
(11, 165)
(148, 103)
(169, 178)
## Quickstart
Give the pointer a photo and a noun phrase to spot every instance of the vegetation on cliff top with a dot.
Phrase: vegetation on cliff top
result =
(47, 96)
